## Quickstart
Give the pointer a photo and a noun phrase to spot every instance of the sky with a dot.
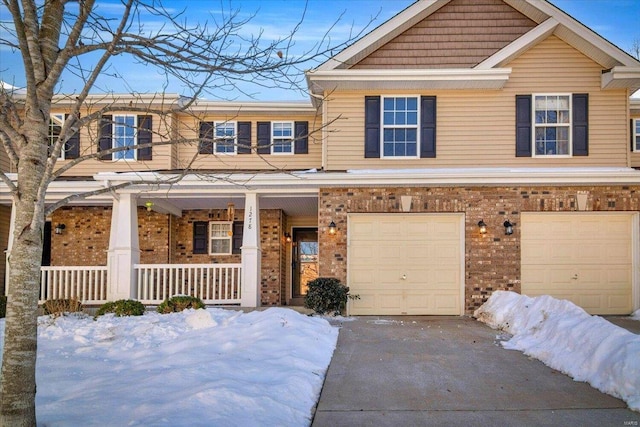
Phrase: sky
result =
(616, 20)
(226, 367)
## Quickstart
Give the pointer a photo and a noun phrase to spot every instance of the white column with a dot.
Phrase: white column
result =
(251, 252)
(12, 227)
(124, 250)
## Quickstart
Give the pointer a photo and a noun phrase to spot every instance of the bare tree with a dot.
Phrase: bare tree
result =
(635, 49)
(57, 35)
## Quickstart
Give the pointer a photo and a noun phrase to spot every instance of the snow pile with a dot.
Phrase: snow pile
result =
(565, 337)
(195, 368)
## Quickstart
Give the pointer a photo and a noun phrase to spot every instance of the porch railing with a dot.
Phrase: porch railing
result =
(212, 283)
(87, 284)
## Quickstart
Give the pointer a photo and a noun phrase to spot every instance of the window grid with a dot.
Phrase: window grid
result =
(220, 236)
(552, 125)
(282, 137)
(636, 134)
(225, 137)
(125, 135)
(56, 121)
(400, 127)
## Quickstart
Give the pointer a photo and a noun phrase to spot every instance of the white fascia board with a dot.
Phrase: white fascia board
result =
(382, 34)
(304, 107)
(584, 32)
(518, 46)
(458, 78)
(621, 78)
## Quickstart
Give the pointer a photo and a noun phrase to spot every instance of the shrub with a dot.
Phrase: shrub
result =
(327, 295)
(122, 307)
(3, 306)
(58, 307)
(179, 303)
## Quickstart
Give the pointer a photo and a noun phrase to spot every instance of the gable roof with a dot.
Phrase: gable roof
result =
(620, 70)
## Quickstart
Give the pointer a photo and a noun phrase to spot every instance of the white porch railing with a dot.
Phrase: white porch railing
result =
(212, 283)
(87, 284)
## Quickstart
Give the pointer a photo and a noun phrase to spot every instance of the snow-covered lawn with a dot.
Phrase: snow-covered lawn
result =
(209, 367)
(565, 337)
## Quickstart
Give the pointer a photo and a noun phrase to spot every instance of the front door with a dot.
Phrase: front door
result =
(305, 259)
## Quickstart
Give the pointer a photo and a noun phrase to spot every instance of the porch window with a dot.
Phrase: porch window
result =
(225, 137)
(552, 125)
(56, 121)
(282, 138)
(400, 127)
(635, 135)
(220, 237)
(124, 135)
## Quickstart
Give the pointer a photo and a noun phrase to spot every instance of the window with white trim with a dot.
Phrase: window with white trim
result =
(552, 124)
(220, 237)
(56, 121)
(225, 137)
(636, 135)
(400, 126)
(125, 135)
(281, 137)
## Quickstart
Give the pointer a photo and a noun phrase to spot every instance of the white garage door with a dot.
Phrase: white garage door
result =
(406, 264)
(583, 257)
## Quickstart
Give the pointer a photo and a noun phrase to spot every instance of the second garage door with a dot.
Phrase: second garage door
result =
(406, 263)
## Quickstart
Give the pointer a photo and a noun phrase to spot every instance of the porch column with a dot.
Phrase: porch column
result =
(251, 252)
(124, 250)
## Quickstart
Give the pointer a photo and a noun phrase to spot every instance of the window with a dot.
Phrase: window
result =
(56, 121)
(220, 237)
(282, 138)
(124, 135)
(552, 125)
(400, 127)
(225, 137)
(635, 132)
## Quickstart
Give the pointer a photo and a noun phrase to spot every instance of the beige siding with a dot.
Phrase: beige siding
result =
(477, 128)
(189, 129)
(89, 144)
(459, 35)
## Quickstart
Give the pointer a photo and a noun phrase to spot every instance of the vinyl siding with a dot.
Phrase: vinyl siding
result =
(477, 128)
(459, 35)
(188, 131)
(89, 143)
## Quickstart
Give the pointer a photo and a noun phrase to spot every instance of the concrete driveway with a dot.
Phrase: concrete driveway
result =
(435, 371)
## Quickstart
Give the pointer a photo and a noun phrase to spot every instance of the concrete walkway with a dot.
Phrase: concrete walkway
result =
(435, 371)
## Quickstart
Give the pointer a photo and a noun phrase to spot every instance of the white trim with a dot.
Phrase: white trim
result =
(60, 117)
(519, 45)
(535, 125)
(291, 140)
(114, 137)
(228, 238)
(621, 78)
(234, 141)
(383, 126)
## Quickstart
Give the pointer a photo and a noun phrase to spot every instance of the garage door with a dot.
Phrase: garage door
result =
(406, 264)
(583, 257)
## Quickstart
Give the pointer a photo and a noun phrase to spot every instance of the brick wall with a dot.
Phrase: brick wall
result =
(492, 261)
(85, 239)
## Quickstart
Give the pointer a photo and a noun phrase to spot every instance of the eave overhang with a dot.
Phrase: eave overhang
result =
(621, 78)
(323, 82)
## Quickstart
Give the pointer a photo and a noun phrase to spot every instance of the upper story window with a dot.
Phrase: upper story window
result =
(282, 138)
(56, 121)
(220, 237)
(400, 126)
(225, 137)
(552, 125)
(124, 135)
(635, 134)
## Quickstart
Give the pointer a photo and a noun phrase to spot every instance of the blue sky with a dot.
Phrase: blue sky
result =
(616, 20)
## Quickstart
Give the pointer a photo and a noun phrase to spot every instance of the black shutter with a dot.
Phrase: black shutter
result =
(72, 146)
(264, 137)
(205, 145)
(145, 127)
(301, 133)
(580, 124)
(371, 127)
(244, 138)
(105, 140)
(200, 237)
(238, 230)
(523, 125)
(427, 126)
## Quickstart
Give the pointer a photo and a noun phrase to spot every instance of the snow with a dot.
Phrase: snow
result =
(568, 339)
(195, 368)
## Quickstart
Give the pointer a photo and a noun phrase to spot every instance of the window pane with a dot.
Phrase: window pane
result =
(412, 103)
(221, 246)
(388, 149)
(401, 104)
(412, 149)
(389, 104)
(388, 118)
(400, 118)
(412, 118)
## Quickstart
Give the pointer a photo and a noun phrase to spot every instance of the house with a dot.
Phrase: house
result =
(460, 148)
